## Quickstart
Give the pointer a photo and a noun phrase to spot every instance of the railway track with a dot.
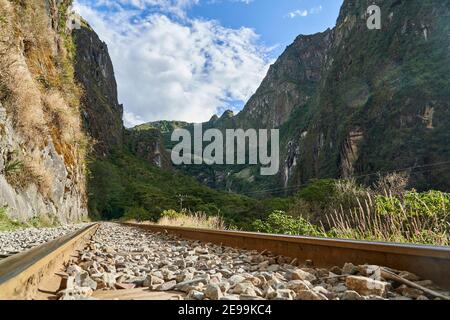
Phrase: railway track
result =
(130, 261)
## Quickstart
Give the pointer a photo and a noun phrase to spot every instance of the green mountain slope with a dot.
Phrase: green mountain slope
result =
(354, 102)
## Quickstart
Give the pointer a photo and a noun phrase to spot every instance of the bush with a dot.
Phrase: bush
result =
(279, 222)
(171, 214)
(322, 197)
(139, 214)
(6, 223)
(44, 221)
(414, 204)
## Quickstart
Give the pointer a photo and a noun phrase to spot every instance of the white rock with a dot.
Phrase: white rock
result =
(366, 286)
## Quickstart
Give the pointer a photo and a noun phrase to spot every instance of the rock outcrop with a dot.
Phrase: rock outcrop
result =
(42, 169)
(290, 83)
(148, 145)
(94, 71)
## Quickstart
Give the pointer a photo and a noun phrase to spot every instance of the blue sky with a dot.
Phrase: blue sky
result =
(189, 59)
(278, 22)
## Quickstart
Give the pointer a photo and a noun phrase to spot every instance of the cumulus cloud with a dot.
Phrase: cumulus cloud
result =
(171, 67)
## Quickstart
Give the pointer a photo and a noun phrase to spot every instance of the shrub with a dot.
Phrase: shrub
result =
(322, 197)
(414, 204)
(44, 221)
(171, 214)
(318, 191)
(139, 214)
(6, 223)
(279, 222)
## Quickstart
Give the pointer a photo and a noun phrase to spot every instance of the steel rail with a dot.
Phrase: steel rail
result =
(22, 274)
(429, 262)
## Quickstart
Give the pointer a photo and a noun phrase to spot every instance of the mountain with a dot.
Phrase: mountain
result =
(348, 102)
(353, 102)
(383, 101)
(64, 152)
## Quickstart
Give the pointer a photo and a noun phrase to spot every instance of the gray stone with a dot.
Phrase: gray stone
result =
(299, 285)
(230, 298)
(187, 286)
(299, 274)
(213, 292)
(406, 291)
(245, 288)
(196, 295)
(349, 268)
(167, 286)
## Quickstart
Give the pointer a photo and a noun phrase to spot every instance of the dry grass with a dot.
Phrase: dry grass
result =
(67, 119)
(196, 220)
(39, 91)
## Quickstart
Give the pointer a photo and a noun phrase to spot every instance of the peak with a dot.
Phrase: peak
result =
(214, 118)
(227, 114)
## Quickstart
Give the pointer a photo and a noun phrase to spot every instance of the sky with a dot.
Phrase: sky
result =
(190, 59)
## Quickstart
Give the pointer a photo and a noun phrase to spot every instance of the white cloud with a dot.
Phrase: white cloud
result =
(298, 13)
(176, 68)
(304, 13)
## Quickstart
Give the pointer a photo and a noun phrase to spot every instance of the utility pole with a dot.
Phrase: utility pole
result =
(181, 198)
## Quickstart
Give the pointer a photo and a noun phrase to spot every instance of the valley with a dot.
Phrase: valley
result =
(362, 114)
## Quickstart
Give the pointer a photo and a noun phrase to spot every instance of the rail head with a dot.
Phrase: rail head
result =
(21, 273)
(400, 248)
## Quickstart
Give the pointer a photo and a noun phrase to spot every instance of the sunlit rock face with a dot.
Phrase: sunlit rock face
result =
(101, 110)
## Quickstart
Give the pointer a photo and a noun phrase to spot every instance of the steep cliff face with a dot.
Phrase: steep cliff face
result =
(383, 101)
(42, 145)
(102, 112)
(290, 83)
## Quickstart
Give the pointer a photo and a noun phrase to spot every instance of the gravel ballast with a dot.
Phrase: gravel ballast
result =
(18, 241)
(120, 257)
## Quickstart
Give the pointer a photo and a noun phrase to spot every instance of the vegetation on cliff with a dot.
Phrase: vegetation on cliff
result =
(42, 144)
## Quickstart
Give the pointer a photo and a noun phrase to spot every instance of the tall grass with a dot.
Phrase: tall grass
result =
(402, 224)
(191, 220)
(386, 212)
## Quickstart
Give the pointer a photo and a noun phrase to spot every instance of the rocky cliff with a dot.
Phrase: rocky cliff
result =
(102, 112)
(289, 84)
(42, 144)
(383, 101)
